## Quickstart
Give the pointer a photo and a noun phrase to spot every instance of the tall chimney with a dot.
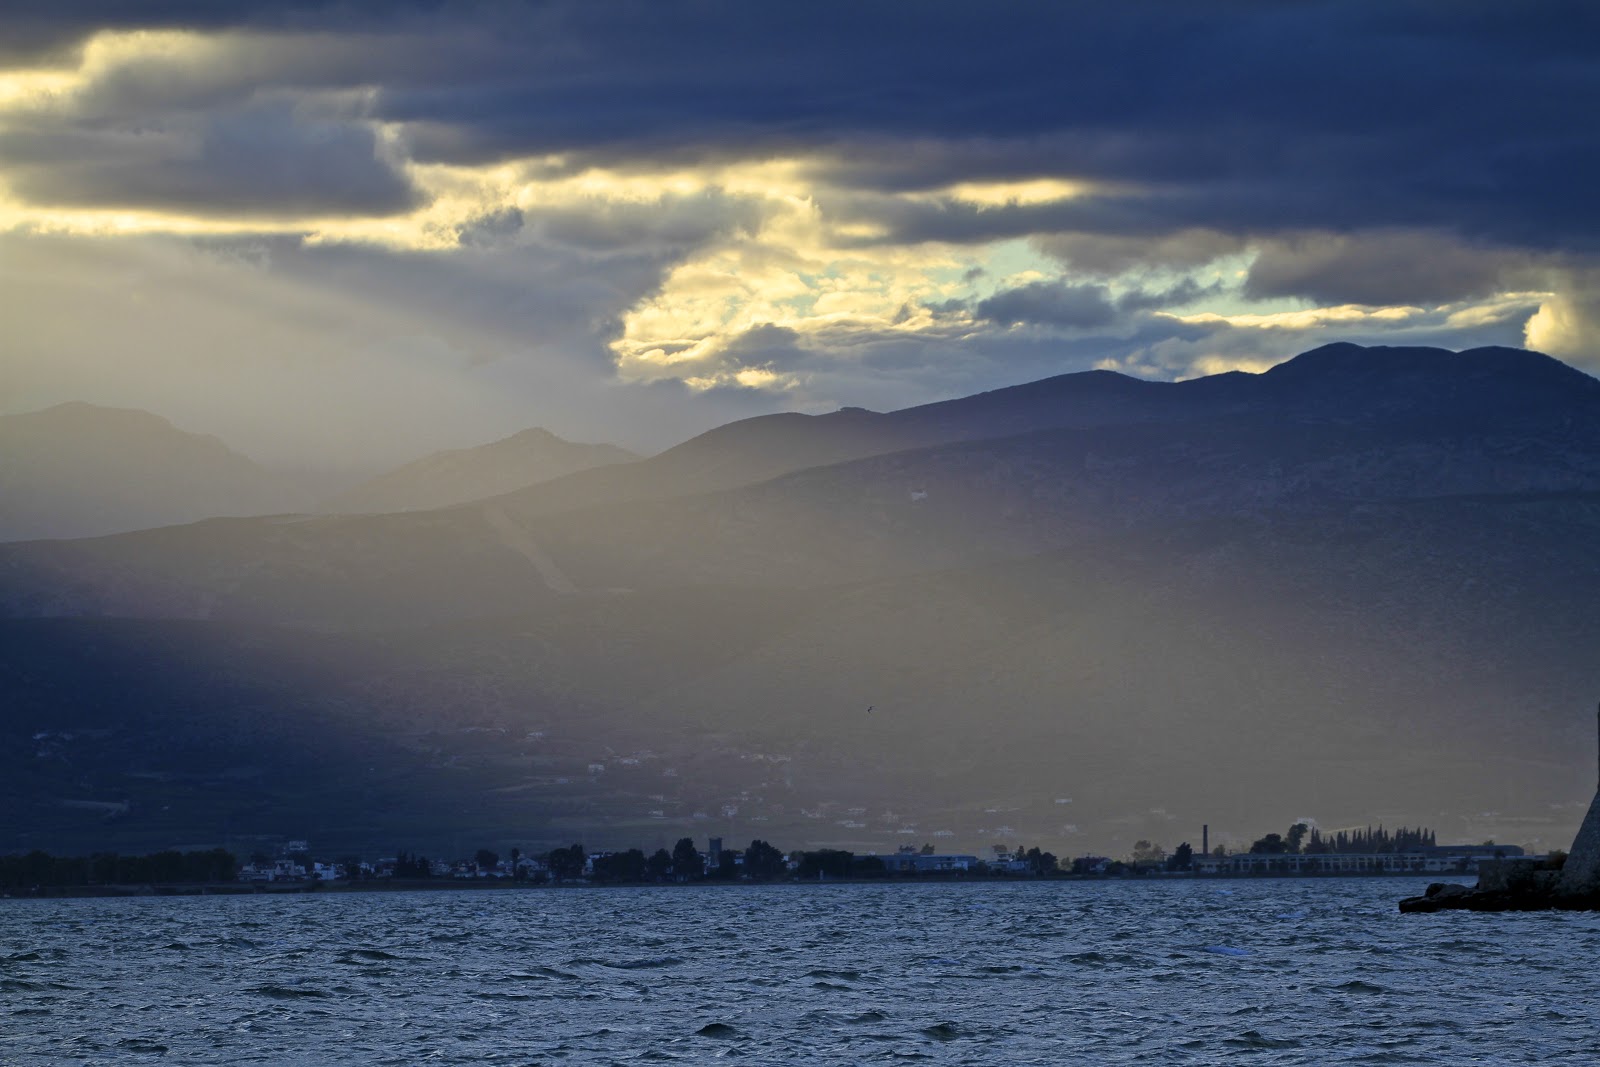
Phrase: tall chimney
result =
(1205, 838)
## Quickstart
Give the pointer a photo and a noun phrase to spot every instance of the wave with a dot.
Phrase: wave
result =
(646, 963)
(1358, 986)
(370, 954)
(278, 992)
(1256, 1039)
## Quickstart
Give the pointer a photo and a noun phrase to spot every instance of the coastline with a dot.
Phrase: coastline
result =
(410, 885)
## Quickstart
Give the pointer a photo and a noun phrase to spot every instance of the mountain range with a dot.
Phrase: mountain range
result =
(462, 474)
(77, 470)
(1358, 587)
(83, 470)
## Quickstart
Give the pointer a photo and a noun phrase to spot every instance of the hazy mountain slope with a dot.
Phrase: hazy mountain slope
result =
(145, 730)
(1379, 607)
(459, 475)
(893, 514)
(956, 504)
(1341, 382)
(739, 453)
(1397, 662)
(335, 571)
(78, 470)
(903, 513)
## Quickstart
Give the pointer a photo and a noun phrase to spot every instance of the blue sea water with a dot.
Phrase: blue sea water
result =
(1266, 972)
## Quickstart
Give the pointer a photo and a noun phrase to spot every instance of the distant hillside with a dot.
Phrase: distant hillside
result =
(903, 512)
(79, 470)
(463, 474)
(1358, 587)
(1337, 382)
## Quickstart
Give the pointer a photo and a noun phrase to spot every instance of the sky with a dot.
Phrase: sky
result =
(347, 234)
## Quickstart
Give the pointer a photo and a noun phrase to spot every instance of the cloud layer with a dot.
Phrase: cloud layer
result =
(646, 218)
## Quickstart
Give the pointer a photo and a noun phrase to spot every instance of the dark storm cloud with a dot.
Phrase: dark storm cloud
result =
(1110, 254)
(1239, 117)
(1049, 304)
(1471, 117)
(1183, 292)
(39, 32)
(766, 346)
(265, 158)
(521, 297)
(887, 369)
(1377, 268)
(491, 228)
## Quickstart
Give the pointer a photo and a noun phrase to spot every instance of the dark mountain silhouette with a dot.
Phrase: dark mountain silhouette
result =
(888, 514)
(1337, 381)
(459, 475)
(1358, 587)
(78, 470)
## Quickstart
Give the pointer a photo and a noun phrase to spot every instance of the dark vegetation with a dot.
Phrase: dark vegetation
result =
(1309, 840)
(40, 869)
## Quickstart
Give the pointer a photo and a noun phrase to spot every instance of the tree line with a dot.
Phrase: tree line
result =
(1303, 838)
(39, 868)
(761, 861)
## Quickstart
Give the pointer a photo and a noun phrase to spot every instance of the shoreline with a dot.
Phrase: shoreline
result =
(425, 885)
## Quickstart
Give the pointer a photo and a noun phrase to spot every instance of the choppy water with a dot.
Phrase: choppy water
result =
(1313, 972)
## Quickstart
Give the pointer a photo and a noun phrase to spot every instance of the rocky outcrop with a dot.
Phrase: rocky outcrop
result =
(1522, 884)
(1568, 882)
(1581, 874)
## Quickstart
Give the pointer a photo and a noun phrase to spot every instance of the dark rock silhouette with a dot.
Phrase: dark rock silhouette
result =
(1528, 884)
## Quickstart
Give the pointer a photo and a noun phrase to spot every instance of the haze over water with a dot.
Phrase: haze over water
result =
(1280, 971)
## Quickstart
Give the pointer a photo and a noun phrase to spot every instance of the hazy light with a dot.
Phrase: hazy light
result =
(1000, 194)
(1309, 318)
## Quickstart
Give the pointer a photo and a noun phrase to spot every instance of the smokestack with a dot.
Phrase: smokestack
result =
(1205, 839)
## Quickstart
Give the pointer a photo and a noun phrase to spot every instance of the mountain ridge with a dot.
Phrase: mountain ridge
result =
(80, 469)
(458, 475)
(765, 446)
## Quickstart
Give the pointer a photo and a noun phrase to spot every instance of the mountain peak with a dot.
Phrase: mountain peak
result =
(459, 475)
(1351, 380)
(1343, 358)
(79, 415)
(532, 435)
(79, 469)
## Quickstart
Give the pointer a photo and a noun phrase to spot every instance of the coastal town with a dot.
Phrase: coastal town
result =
(294, 864)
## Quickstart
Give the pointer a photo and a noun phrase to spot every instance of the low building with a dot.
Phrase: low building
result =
(1444, 859)
(921, 863)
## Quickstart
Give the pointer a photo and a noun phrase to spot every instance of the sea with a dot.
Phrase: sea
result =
(1280, 971)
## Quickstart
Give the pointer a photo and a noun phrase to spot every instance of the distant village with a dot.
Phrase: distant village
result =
(1304, 851)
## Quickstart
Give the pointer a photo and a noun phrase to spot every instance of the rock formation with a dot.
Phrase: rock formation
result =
(1528, 883)
(1580, 876)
